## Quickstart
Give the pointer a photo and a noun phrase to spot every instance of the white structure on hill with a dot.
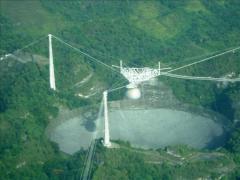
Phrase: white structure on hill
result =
(106, 141)
(51, 65)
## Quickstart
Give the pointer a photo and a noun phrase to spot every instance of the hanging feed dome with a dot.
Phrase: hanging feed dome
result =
(133, 93)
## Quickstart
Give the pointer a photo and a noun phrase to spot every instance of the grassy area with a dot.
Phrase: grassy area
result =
(29, 17)
(156, 20)
(196, 6)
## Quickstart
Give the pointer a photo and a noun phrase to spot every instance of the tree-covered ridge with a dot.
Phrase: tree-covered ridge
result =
(141, 33)
(179, 162)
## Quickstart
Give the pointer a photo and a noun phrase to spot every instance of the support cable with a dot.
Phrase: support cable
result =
(24, 47)
(205, 59)
(196, 57)
(202, 78)
(85, 161)
(93, 59)
(165, 73)
(86, 54)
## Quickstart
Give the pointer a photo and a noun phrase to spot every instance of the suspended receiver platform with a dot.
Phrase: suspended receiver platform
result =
(137, 75)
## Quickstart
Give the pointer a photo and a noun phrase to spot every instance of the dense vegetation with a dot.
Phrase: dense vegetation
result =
(177, 162)
(141, 33)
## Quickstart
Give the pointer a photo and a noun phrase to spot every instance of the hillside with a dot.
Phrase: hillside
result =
(141, 33)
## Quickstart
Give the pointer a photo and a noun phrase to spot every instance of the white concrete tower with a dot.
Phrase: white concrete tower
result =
(106, 142)
(121, 66)
(51, 65)
(159, 67)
